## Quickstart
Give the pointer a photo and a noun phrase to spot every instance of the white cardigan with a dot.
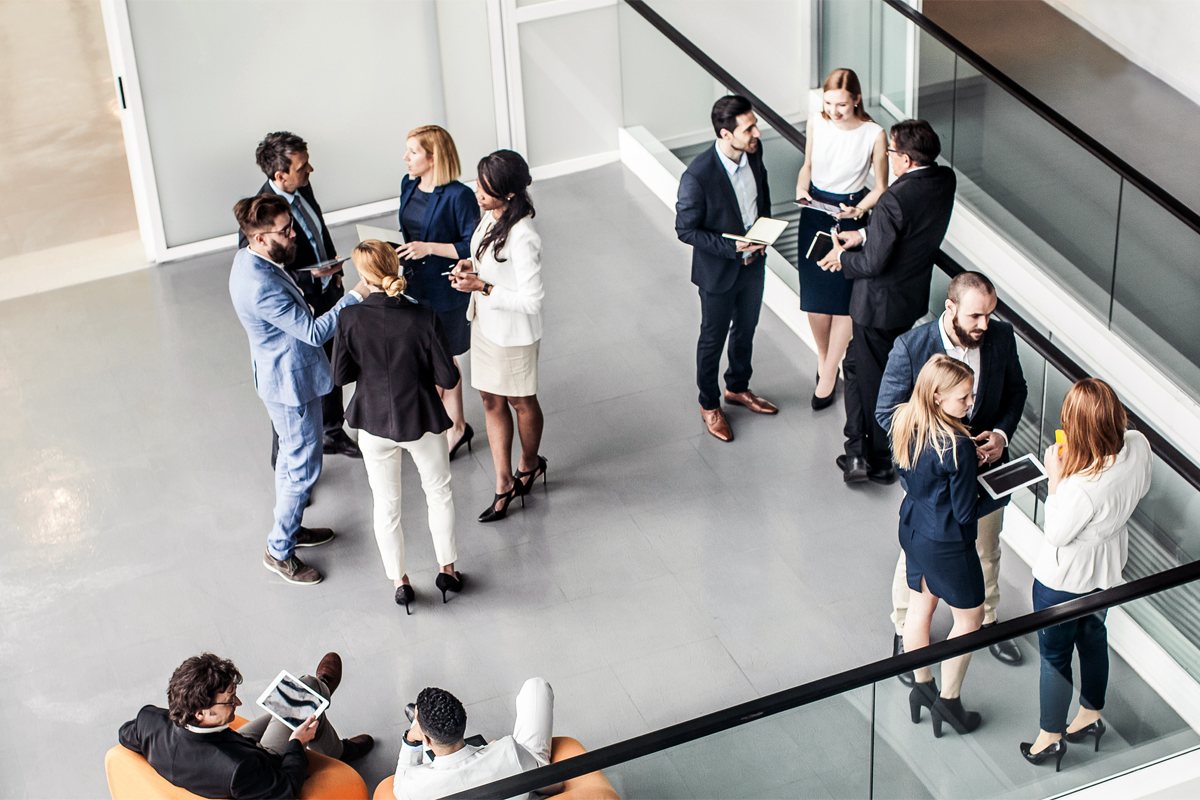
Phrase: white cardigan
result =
(511, 316)
(1087, 541)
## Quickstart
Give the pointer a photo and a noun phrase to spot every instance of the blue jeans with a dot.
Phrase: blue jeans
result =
(1058, 644)
(296, 470)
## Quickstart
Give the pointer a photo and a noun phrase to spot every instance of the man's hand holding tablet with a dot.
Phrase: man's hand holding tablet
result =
(307, 730)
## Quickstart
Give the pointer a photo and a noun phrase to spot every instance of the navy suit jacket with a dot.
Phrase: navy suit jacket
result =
(708, 207)
(451, 216)
(943, 501)
(1000, 400)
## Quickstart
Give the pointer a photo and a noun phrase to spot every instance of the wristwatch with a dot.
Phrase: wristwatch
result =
(486, 291)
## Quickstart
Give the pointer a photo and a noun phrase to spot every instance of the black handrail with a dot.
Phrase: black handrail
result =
(709, 724)
(1110, 159)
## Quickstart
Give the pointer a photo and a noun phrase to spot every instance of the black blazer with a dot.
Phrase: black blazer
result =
(892, 271)
(306, 256)
(223, 764)
(398, 353)
(1002, 389)
(707, 208)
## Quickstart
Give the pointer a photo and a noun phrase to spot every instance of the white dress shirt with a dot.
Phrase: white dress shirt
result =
(1087, 541)
(511, 316)
(969, 356)
(744, 185)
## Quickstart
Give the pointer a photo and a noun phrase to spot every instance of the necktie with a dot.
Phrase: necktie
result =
(318, 241)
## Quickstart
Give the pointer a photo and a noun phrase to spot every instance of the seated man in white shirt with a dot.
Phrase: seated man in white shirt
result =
(435, 761)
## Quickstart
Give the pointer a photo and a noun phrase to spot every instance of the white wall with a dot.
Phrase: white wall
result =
(1157, 35)
(466, 61)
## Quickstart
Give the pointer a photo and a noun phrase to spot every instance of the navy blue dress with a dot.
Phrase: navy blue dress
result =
(938, 524)
(824, 292)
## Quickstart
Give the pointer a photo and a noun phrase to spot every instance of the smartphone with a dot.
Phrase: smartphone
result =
(1060, 437)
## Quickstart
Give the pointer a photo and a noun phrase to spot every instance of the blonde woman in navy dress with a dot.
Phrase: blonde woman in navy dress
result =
(844, 144)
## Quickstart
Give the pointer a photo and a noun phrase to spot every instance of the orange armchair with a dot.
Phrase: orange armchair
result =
(592, 786)
(130, 777)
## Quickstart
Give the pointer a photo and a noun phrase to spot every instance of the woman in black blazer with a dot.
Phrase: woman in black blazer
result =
(438, 214)
(397, 353)
(938, 460)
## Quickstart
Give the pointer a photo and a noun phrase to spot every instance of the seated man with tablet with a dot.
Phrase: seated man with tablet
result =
(191, 745)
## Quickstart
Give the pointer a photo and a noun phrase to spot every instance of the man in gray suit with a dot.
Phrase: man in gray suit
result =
(291, 370)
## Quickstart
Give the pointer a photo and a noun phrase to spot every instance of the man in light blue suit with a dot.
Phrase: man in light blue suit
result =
(291, 370)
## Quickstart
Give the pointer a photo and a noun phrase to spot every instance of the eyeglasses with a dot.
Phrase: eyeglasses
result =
(283, 231)
(233, 701)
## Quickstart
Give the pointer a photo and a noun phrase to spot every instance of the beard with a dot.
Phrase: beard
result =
(971, 340)
(282, 253)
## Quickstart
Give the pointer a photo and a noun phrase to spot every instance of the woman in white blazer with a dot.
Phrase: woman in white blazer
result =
(504, 276)
(1097, 478)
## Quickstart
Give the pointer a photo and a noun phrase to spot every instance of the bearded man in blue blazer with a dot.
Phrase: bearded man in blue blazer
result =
(291, 370)
(964, 331)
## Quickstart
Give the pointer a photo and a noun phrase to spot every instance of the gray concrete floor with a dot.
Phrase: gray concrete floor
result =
(660, 575)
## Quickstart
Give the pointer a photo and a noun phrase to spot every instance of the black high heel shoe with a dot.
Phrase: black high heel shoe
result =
(449, 583)
(468, 435)
(1096, 729)
(952, 711)
(922, 694)
(491, 513)
(533, 474)
(819, 403)
(404, 596)
(1055, 751)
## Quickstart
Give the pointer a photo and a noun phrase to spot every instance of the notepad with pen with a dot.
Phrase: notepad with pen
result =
(764, 231)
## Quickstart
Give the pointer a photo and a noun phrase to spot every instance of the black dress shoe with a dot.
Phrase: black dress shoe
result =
(907, 678)
(854, 468)
(356, 747)
(338, 443)
(1006, 652)
(885, 475)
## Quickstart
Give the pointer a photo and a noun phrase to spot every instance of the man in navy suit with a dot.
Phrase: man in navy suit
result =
(964, 331)
(291, 370)
(724, 190)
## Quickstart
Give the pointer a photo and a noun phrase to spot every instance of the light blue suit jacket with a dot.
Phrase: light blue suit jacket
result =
(290, 366)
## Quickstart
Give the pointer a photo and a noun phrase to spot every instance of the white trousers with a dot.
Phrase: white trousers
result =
(432, 457)
(534, 727)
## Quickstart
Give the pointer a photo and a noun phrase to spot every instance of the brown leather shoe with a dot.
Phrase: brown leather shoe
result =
(751, 401)
(311, 537)
(356, 747)
(293, 570)
(716, 423)
(330, 671)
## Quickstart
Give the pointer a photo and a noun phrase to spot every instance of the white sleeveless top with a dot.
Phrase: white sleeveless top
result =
(841, 159)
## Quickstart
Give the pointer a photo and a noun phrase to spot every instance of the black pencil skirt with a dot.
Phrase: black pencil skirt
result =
(951, 569)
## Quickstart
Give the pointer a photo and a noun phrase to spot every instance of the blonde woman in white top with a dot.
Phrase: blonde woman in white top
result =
(844, 145)
(1096, 480)
(504, 275)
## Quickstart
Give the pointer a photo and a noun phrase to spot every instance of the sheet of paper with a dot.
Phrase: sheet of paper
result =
(382, 234)
(764, 231)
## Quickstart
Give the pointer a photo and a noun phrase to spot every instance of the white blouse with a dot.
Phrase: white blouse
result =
(511, 316)
(1087, 541)
(841, 159)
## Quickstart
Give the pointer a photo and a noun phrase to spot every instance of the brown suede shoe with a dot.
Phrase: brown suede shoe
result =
(293, 570)
(311, 537)
(356, 747)
(751, 401)
(716, 423)
(330, 671)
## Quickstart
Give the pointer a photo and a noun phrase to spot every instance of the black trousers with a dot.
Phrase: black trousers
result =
(734, 315)
(863, 368)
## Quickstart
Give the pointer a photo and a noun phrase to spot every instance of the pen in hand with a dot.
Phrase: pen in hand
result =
(451, 272)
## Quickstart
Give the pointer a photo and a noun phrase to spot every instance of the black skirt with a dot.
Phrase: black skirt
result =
(951, 569)
(824, 292)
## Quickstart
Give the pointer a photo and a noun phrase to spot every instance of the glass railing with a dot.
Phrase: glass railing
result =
(858, 734)
(1120, 244)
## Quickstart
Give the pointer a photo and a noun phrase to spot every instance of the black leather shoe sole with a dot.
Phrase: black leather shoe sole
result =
(857, 475)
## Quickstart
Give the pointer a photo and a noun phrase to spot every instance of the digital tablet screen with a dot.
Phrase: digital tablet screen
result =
(291, 701)
(1007, 478)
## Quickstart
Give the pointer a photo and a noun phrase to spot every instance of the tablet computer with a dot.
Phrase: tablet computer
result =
(1017, 474)
(290, 701)
(831, 210)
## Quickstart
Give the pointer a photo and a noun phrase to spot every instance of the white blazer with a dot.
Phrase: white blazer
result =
(1087, 541)
(511, 316)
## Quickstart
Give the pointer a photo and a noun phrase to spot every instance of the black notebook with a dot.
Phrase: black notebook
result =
(821, 246)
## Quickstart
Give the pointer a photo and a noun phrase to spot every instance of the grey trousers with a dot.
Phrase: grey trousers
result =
(273, 734)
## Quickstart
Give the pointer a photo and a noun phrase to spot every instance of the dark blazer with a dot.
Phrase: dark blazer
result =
(1002, 390)
(707, 208)
(451, 216)
(223, 764)
(943, 502)
(398, 353)
(306, 256)
(892, 270)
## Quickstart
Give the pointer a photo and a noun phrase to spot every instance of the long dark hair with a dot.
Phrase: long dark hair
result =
(501, 174)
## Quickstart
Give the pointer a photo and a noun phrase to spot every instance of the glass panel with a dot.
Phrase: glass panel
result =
(893, 62)
(935, 91)
(818, 750)
(844, 40)
(1029, 437)
(1157, 286)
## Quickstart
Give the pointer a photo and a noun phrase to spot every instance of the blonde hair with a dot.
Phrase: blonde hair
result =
(379, 265)
(435, 141)
(1094, 423)
(846, 80)
(921, 422)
